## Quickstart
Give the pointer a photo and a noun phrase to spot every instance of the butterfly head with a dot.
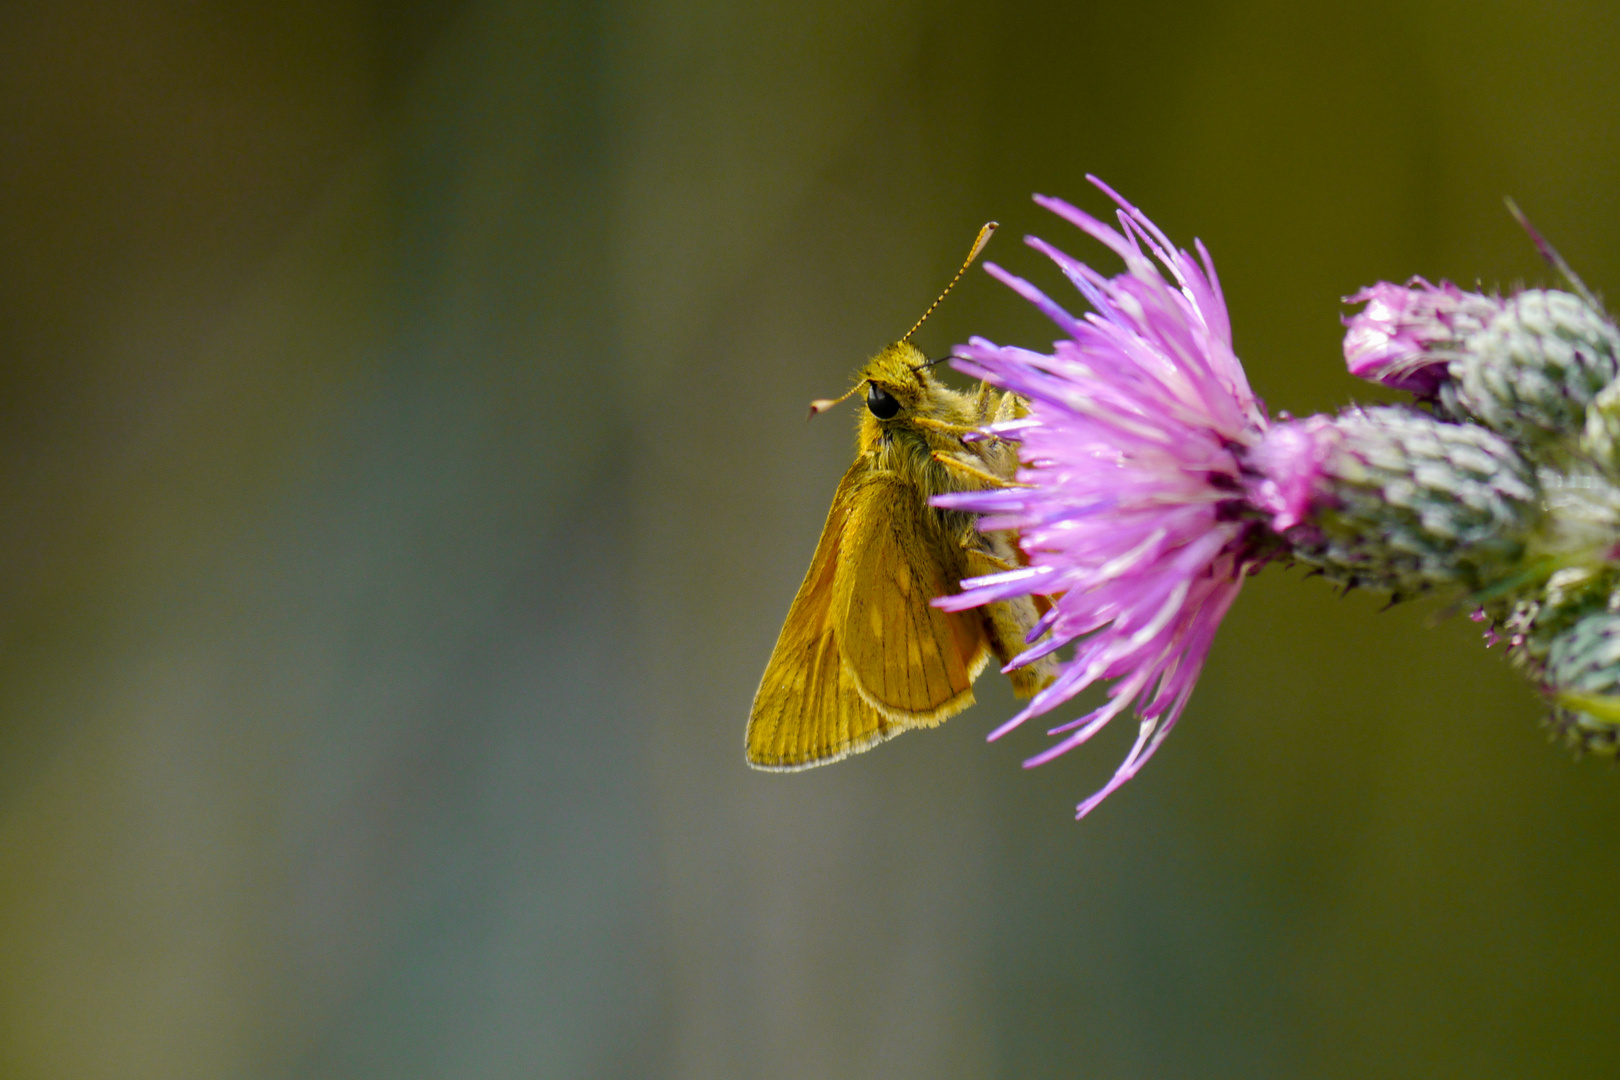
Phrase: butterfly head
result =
(897, 381)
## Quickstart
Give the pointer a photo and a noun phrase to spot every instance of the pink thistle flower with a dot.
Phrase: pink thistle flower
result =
(1407, 336)
(1143, 514)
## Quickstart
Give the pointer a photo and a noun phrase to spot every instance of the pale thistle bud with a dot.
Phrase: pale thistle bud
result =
(1600, 435)
(1570, 568)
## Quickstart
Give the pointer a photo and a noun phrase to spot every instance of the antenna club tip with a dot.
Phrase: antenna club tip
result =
(820, 405)
(978, 245)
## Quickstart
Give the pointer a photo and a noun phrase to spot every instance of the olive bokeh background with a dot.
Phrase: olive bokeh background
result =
(404, 477)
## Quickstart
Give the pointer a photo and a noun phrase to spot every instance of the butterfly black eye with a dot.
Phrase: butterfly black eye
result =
(880, 402)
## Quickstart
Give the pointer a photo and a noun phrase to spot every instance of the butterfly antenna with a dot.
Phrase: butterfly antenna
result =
(978, 245)
(821, 405)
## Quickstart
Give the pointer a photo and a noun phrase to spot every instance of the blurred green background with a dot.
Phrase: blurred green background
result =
(405, 476)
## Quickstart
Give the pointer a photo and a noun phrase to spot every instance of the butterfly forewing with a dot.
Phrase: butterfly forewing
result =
(806, 710)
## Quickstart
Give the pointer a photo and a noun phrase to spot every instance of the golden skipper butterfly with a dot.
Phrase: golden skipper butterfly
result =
(863, 656)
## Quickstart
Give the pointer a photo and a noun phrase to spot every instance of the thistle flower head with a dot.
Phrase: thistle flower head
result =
(1135, 522)
(1151, 481)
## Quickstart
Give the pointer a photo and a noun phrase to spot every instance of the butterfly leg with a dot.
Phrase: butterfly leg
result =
(945, 427)
(1008, 622)
(984, 477)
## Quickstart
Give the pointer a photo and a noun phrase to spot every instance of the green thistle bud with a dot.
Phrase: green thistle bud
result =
(1600, 439)
(1407, 502)
(1534, 367)
(1583, 675)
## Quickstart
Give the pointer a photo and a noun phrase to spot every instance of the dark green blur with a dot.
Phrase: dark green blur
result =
(403, 477)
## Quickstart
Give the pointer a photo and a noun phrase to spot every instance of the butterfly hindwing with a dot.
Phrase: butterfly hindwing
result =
(911, 661)
(863, 655)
